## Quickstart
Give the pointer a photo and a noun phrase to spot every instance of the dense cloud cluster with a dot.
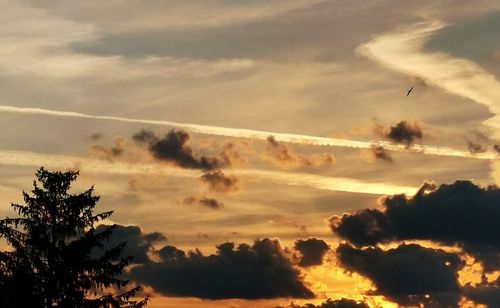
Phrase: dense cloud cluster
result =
(217, 181)
(402, 132)
(204, 201)
(138, 243)
(261, 270)
(330, 303)
(258, 271)
(311, 250)
(174, 147)
(407, 273)
(460, 213)
(286, 158)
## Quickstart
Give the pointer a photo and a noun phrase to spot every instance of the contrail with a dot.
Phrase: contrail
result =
(258, 134)
(32, 159)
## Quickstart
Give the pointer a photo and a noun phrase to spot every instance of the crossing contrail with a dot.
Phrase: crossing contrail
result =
(33, 159)
(258, 134)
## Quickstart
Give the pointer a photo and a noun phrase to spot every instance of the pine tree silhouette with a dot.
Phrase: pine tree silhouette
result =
(53, 260)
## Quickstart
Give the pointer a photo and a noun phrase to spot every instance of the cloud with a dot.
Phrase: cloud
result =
(255, 134)
(485, 293)
(403, 132)
(478, 141)
(330, 303)
(204, 201)
(380, 153)
(251, 272)
(403, 50)
(109, 153)
(174, 148)
(281, 155)
(408, 274)
(217, 181)
(461, 214)
(474, 147)
(96, 136)
(138, 243)
(145, 136)
(231, 155)
(36, 159)
(311, 250)
(496, 147)
(177, 15)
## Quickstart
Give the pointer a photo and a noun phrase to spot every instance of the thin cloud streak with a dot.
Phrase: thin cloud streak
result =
(327, 183)
(260, 135)
(32, 159)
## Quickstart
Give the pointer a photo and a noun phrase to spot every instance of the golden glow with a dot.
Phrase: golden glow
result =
(21, 158)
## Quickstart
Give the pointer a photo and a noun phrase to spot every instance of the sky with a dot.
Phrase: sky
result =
(268, 153)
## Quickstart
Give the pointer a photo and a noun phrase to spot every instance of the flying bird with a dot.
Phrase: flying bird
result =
(409, 91)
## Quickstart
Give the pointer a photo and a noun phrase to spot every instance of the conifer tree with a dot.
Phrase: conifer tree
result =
(52, 261)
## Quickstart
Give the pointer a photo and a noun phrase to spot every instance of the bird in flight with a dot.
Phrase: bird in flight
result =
(409, 91)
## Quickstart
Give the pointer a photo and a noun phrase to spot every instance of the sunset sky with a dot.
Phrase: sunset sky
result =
(272, 124)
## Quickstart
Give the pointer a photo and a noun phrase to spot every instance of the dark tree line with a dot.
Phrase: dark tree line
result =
(56, 257)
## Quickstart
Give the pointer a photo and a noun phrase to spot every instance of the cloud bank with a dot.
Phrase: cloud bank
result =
(461, 214)
(251, 272)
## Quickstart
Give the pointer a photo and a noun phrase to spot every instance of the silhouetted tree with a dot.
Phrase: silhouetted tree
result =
(53, 260)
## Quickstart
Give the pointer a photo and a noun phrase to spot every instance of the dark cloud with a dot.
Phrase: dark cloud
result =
(485, 293)
(251, 272)
(496, 147)
(138, 243)
(174, 148)
(379, 152)
(109, 152)
(474, 147)
(330, 303)
(409, 274)
(311, 250)
(217, 181)
(145, 136)
(461, 214)
(284, 157)
(477, 141)
(204, 201)
(402, 132)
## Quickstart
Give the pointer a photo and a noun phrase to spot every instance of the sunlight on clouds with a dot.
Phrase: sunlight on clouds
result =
(331, 281)
(263, 135)
(297, 179)
(471, 273)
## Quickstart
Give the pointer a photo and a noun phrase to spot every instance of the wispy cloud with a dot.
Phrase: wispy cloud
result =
(258, 134)
(32, 159)
(402, 50)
